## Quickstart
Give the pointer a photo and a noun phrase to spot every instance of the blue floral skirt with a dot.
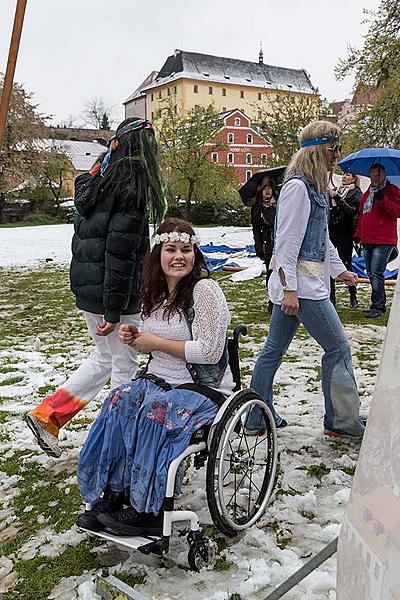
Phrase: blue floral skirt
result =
(141, 428)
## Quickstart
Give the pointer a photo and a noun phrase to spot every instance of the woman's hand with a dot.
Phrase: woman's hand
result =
(146, 342)
(331, 192)
(290, 303)
(105, 328)
(127, 333)
(348, 278)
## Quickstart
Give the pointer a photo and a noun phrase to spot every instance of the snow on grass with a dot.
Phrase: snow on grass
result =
(44, 338)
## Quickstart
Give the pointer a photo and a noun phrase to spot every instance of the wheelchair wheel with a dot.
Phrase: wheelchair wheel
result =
(241, 466)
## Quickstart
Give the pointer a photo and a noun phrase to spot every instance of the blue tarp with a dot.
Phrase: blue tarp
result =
(226, 249)
(216, 264)
(358, 264)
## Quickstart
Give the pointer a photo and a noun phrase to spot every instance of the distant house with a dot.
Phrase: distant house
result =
(247, 150)
(190, 79)
(80, 134)
(135, 105)
(346, 110)
(82, 155)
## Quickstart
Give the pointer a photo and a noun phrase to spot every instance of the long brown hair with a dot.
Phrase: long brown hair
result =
(155, 288)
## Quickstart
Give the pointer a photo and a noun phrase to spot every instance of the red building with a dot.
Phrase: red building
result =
(247, 150)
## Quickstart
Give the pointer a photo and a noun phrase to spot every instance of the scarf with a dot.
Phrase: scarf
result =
(370, 199)
(343, 190)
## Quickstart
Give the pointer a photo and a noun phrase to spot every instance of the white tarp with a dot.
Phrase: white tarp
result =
(369, 543)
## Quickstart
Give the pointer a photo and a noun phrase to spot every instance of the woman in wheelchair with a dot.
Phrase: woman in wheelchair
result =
(148, 422)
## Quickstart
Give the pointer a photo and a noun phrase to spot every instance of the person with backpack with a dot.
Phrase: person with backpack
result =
(304, 259)
(111, 237)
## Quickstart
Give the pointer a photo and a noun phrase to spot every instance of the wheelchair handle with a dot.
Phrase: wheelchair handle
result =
(239, 330)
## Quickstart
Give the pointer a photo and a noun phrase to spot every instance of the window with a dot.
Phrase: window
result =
(195, 89)
(249, 138)
(308, 101)
(152, 115)
(169, 91)
(230, 157)
(210, 90)
(259, 95)
(197, 107)
(241, 93)
(224, 109)
(214, 157)
(160, 94)
(175, 89)
(237, 122)
(259, 115)
(249, 159)
(152, 97)
(175, 109)
(224, 91)
(248, 175)
(231, 138)
(263, 159)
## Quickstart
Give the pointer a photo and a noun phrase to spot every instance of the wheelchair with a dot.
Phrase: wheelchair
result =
(240, 474)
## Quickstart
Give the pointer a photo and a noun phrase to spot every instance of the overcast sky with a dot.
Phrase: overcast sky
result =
(74, 50)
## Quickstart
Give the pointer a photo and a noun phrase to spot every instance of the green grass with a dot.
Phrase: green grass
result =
(38, 302)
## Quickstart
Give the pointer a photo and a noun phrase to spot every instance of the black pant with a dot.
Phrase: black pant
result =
(268, 250)
(344, 246)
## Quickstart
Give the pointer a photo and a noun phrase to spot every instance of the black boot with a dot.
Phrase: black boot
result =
(110, 502)
(129, 522)
(353, 297)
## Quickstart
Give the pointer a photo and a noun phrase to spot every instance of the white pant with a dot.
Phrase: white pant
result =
(110, 359)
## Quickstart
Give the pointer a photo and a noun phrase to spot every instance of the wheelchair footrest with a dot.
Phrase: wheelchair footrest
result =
(124, 541)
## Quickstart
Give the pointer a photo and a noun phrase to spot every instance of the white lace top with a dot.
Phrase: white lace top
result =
(209, 327)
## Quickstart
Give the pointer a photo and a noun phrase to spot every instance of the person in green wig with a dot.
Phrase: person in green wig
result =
(114, 202)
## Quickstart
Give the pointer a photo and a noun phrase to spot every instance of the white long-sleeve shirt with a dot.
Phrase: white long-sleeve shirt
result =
(210, 323)
(293, 215)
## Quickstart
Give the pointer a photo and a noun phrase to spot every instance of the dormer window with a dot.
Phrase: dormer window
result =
(249, 138)
(237, 122)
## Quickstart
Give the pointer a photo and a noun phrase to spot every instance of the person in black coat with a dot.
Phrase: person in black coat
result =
(263, 221)
(344, 204)
(111, 237)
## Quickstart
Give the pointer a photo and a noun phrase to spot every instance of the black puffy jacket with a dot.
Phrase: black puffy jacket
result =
(108, 247)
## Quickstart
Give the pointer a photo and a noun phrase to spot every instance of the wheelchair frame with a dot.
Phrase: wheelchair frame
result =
(207, 440)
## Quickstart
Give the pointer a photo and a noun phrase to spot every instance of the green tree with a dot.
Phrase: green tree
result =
(186, 148)
(18, 156)
(281, 120)
(377, 64)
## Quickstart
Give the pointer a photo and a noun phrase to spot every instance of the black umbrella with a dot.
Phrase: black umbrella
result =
(249, 190)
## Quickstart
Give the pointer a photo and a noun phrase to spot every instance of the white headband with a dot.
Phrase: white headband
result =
(175, 236)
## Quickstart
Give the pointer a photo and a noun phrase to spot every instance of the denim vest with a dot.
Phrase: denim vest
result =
(313, 247)
(210, 375)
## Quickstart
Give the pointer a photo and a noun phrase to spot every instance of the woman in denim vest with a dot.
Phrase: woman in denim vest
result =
(146, 423)
(304, 259)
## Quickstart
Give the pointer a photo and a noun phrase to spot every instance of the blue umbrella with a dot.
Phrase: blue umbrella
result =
(360, 162)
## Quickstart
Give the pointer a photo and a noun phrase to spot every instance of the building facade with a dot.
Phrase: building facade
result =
(246, 149)
(190, 79)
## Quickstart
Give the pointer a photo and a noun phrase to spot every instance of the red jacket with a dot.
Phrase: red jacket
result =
(379, 226)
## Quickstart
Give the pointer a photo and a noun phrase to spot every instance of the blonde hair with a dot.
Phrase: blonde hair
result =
(311, 161)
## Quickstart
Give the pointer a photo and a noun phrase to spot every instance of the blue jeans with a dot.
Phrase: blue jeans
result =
(338, 383)
(376, 258)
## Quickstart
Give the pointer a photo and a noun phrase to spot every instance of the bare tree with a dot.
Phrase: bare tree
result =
(98, 114)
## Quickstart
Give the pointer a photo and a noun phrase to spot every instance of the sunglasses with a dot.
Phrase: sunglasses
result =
(336, 149)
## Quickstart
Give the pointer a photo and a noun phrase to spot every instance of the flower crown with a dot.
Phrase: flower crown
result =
(176, 236)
